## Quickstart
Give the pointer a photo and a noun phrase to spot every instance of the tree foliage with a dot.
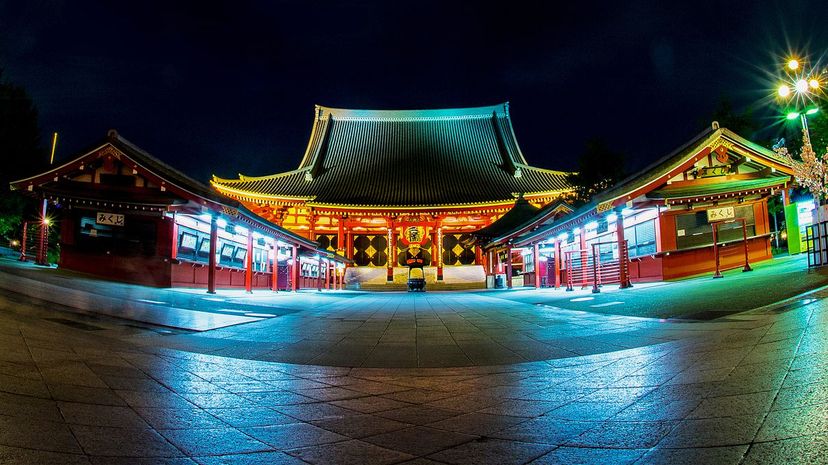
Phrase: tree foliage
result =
(599, 168)
(20, 154)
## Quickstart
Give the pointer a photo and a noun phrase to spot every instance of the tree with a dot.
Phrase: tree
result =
(20, 154)
(599, 168)
(743, 123)
(812, 171)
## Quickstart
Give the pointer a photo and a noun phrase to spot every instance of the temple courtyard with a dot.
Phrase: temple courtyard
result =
(693, 371)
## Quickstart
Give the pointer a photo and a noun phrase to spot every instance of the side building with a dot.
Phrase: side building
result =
(699, 209)
(125, 215)
(385, 188)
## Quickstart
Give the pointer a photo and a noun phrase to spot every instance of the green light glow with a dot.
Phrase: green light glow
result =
(811, 111)
(793, 115)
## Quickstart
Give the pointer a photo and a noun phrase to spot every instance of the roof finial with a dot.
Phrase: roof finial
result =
(715, 125)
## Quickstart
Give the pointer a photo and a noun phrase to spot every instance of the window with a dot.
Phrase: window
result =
(693, 230)
(641, 238)
(136, 237)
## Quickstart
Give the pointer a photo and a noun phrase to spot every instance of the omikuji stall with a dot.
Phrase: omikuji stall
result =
(701, 209)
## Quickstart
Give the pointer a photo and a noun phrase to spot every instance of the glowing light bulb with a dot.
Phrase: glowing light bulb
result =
(784, 91)
(813, 83)
(793, 64)
(802, 86)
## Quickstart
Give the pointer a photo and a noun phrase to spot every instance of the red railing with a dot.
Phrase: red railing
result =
(586, 267)
(612, 270)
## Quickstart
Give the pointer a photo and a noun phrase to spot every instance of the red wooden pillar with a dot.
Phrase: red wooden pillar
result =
(623, 254)
(311, 225)
(174, 245)
(294, 269)
(786, 197)
(392, 251)
(41, 258)
(319, 273)
(745, 242)
(536, 258)
(584, 257)
(248, 264)
(23, 244)
(558, 262)
(211, 260)
(340, 236)
(389, 273)
(328, 274)
(509, 266)
(274, 267)
(434, 247)
(439, 254)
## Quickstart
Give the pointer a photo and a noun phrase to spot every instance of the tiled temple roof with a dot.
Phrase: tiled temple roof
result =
(405, 158)
(651, 181)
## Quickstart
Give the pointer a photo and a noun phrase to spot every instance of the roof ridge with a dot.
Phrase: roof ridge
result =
(429, 114)
(544, 170)
(113, 135)
(245, 178)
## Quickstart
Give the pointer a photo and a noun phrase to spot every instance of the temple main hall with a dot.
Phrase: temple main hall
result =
(391, 188)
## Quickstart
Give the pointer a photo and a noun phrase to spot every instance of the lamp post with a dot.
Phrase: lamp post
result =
(799, 91)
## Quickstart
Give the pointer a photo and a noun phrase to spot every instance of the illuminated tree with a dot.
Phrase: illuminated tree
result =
(812, 171)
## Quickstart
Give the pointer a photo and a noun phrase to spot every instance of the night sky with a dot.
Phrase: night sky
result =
(229, 88)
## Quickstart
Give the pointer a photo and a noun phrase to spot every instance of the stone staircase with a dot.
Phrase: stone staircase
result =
(455, 279)
(434, 286)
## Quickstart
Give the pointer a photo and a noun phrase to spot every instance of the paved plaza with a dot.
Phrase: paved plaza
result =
(414, 378)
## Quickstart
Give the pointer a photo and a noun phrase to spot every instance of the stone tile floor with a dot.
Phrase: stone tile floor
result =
(750, 389)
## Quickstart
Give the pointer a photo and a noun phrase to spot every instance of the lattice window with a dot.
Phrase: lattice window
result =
(327, 242)
(370, 250)
(458, 249)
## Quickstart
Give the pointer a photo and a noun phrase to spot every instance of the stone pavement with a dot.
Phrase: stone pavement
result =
(751, 389)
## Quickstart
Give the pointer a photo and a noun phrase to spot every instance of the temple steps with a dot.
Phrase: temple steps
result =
(395, 286)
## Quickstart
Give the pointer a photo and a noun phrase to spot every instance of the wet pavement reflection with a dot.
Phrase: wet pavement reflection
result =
(752, 388)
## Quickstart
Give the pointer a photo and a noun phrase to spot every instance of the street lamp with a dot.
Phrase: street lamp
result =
(800, 89)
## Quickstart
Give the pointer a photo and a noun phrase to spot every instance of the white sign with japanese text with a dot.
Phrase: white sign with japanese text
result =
(112, 219)
(720, 214)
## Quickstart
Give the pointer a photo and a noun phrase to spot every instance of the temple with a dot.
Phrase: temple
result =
(389, 188)
(379, 191)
